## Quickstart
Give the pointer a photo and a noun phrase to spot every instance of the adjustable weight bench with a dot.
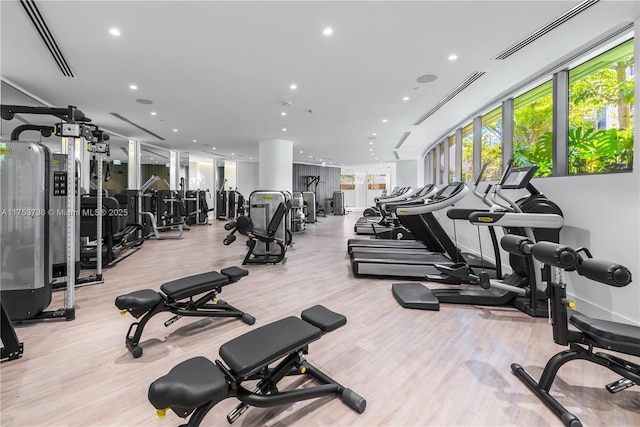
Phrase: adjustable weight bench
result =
(178, 298)
(198, 384)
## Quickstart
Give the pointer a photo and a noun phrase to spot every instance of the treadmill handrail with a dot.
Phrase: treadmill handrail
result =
(412, 201)
(516, 219)
(402, 196)
(434, 205)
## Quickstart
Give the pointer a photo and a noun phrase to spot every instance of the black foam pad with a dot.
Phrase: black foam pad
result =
(143, 299)
(415, 295)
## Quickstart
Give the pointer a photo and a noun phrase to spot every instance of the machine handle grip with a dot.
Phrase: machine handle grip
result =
(606, 272)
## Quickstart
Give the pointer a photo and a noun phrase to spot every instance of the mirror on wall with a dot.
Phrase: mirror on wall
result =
(154, 161)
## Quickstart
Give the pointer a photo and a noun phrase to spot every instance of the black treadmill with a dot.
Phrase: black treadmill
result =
(401, 264)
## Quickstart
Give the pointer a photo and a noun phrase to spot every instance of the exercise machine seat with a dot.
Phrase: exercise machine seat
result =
(612, 335)
(234, 273)
(323, 318)
(206, 383)
(266, 344)
(193, 285)
(142, 299)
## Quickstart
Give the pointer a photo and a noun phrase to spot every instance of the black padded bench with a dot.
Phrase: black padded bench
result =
(178, 297)
(198, 384)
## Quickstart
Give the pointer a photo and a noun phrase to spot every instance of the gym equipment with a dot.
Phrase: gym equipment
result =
(147, 303)
(265, 227)
(315, 180)
(298, 219)
(337, 203)
(310, 206)
(522, 287)
(27, 185)
(197, 207)
(13, 348)
(197, 385)
(591, 333)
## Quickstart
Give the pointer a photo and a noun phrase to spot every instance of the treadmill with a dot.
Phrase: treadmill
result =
(378, 224)
(535, 217)
(383, 234)
(397, 264)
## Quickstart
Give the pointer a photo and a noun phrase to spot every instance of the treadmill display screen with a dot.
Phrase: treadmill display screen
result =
(519, 177)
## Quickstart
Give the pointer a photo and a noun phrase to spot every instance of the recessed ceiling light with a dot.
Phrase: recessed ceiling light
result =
(150, 158)
(233, 154)
(293, 87)
(324, 164)
(301, 152)
(370, 142)
(283, 114)
(374, 134)
(370, 149)
(377, 158)
(153, 113)
(453, 57)
(175, 130)
(195, 140)
(114, 32)
(310, 157)
(284, 129)
(213, 148)
(372, 154)
(156, 161)
(250, 158)
(384, 120)
(133, 87)
(406, 98)
(327, 31)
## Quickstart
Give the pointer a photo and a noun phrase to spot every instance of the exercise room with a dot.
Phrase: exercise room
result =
(335, 213)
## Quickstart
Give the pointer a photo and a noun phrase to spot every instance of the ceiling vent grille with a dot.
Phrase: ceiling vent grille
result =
(462, 86)
(395, 153)
(124, 119)
(47, 38)
(547, 28)
(403, 139)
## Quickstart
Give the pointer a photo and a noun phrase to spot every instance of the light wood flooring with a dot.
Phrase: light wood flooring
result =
(415, 368)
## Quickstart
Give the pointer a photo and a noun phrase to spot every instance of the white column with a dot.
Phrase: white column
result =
(275, 171)
(174, 170)
(133, 167)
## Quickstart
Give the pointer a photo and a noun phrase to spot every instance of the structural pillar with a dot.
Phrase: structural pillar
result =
(174, 170)
(275, 171)
(133, 167)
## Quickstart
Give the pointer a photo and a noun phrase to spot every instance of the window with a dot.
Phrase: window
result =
(467, 153)
(376, 181)
(347, 182)
(601, 116)
(492, 144)
(434, 167)
(452, 158)
(533, 129)
(441, 169)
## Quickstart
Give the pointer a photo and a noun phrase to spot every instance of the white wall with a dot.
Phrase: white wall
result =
(247, 174)
(407, 173)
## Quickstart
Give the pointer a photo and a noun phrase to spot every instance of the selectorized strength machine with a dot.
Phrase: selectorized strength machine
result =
(196, 385)
(591, 333)
(178, 298)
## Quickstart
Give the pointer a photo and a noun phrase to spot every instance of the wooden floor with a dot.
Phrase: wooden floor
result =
(446, 368)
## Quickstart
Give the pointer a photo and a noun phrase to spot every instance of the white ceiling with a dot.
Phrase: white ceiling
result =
(219, 72)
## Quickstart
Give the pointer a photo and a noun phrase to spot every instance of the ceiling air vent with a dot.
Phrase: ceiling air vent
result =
(47, 38)
(403, 139)
(547, 28)
(462, 86)
(124, 119)
(395, 153)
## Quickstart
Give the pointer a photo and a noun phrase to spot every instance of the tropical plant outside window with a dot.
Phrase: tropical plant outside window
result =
(441, 169)
(533, 129)
(492, 144)
(347, 182)
(601, 116)
(376, 181)
(452, 158)
(467, 153)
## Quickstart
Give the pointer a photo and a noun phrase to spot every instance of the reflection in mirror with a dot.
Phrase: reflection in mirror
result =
(154, 161)
(114, 167)
(184, 171)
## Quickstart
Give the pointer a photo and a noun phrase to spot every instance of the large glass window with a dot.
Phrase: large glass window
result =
(452, 158)
(467, 153)
(533, 129)
(492, 144)
(601, 116)
(441, 166)
(348, 182)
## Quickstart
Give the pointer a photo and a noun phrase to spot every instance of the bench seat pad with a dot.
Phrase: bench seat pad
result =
(194, 285)
(188, 385)
(266, 344)
(141, 300)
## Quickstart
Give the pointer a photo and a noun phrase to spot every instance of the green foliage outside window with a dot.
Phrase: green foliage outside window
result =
(532, 129)
(467, 153)
(492, 144)
(601, 116)
(452, 158)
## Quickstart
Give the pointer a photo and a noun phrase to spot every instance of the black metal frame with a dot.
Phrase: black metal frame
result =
(13, 348)
(198, 308)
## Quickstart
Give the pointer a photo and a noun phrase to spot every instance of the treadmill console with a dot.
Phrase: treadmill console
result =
(518, 178)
